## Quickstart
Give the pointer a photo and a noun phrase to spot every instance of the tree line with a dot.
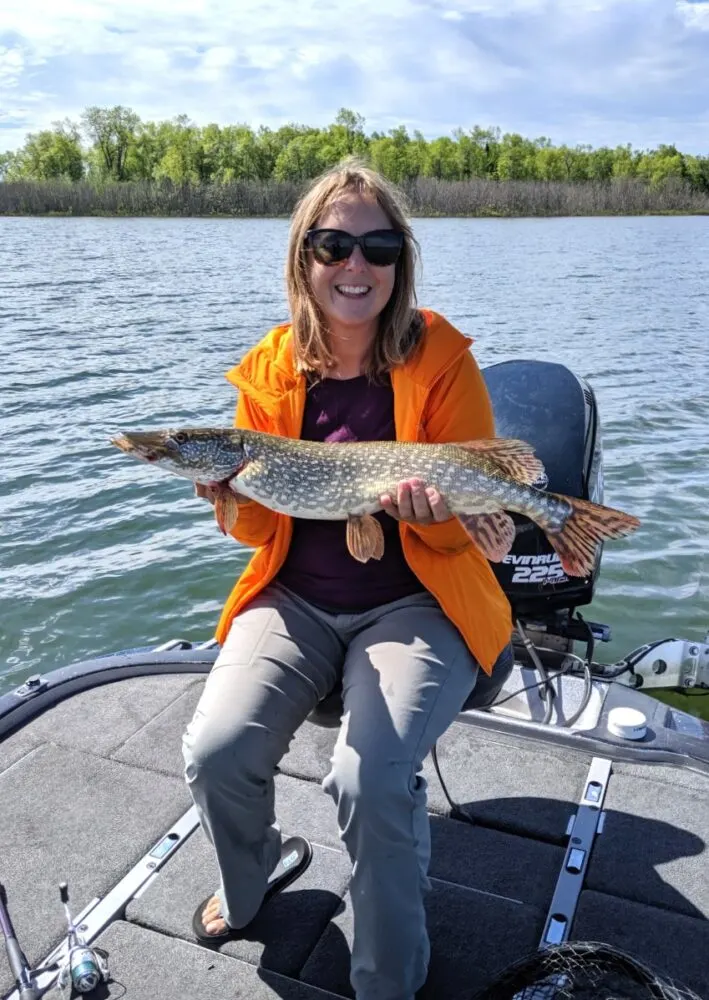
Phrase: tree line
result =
(114, 145)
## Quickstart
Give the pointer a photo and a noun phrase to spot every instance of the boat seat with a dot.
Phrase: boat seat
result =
(328, 712)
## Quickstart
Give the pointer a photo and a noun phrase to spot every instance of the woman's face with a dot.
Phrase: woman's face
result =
(352, 293)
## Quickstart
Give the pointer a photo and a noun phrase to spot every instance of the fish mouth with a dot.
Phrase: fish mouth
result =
(145, 445)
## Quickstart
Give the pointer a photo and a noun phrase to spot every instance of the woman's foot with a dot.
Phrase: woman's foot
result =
(212, 919)
(208, 923)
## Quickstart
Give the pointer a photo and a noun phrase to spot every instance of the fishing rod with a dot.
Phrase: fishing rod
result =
(19, 966)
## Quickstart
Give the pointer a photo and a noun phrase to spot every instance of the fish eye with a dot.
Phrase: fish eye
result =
(180, 437)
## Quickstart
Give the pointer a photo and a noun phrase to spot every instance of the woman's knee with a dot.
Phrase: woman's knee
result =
(370, 785)
(211, 752)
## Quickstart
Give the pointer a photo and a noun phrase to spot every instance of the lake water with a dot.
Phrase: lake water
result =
(116, 323)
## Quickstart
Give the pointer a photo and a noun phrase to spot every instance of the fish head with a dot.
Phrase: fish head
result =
(203, 455)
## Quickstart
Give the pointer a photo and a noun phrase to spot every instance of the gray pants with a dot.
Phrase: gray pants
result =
(406, 672)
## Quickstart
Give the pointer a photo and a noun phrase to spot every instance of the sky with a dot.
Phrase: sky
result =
(600, 72)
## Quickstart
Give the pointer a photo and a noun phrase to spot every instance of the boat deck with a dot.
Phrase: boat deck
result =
(90, 785)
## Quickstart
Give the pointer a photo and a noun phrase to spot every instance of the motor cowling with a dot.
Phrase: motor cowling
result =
(555, 411)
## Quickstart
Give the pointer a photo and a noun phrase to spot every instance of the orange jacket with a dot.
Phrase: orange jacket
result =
(439, 396)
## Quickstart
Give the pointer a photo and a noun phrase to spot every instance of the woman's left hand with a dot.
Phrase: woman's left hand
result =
(416, 503)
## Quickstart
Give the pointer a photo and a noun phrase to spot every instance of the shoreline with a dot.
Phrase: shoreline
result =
(658, 213)
(424, 198)
(413, 215)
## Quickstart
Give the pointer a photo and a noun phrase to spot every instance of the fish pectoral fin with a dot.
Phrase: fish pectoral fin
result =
(365, 537)
(226, 510)
(492, 533)
(513, 457)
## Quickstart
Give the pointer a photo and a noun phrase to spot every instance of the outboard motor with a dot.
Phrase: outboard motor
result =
(555, 411)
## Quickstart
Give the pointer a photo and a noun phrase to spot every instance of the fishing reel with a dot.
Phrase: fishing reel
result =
(84, 968)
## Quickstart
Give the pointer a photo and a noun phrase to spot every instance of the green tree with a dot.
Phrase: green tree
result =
(112, 130)
(549, 164)
(625, 161)
(304, 157)
(52, 154)
(183, 161)
(346, 135)
(443, 160)
(240, 156)
(392, 157)
(698, 172)
(516, 159)
(149, 145)
(658, 166)
(600, 164)
(478, 151)
(8, 165)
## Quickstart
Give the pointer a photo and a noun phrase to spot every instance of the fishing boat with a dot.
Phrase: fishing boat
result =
(567, 804)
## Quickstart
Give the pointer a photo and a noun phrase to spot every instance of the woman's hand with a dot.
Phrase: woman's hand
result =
(206, 492)
(210, 493)
(416, 503)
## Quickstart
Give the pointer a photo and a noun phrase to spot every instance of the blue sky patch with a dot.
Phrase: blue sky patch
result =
(601, 72)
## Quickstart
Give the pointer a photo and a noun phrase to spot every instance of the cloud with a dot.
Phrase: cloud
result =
(596, 71)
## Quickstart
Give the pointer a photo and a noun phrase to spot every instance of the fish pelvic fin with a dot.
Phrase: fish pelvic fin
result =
(587, 525)
(514, 458)
(492, 533)
(365, 537)
(226, 510)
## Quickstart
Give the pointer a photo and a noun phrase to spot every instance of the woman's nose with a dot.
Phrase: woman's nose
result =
(356, 261)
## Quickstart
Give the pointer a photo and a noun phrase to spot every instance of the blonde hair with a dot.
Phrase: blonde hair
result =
(400, 323)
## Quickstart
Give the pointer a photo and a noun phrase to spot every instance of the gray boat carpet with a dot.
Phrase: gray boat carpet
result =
(102, 719)
(157, 746)
(495, 777)
(653, 848)
(672, 944)
(16, 747)
(149, 966)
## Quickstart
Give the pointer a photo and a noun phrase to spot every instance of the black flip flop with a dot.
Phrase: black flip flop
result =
(296, 855)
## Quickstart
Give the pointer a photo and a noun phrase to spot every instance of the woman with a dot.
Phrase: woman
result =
(406, 636)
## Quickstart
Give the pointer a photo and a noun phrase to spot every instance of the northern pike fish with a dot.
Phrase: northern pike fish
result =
(480, 481)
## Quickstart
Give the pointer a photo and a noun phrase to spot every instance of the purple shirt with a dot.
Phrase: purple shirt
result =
(318, 566)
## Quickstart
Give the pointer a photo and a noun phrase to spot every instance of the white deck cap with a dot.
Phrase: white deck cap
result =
(628, 723)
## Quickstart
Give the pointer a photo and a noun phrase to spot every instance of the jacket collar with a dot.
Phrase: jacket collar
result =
(267, 372)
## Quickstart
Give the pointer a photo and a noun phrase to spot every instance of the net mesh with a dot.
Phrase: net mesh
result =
(582, 970)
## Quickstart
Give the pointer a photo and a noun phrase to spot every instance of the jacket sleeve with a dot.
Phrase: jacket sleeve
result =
(458, 409)
(256, 524)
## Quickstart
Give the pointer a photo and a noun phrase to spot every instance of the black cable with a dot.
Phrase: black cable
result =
(586, 697)
(628, 662)
(590, 640)
(529, 687)
(588, 683)
(455, 811)
(549, 693)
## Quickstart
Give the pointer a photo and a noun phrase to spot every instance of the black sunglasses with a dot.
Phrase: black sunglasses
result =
(380, 247)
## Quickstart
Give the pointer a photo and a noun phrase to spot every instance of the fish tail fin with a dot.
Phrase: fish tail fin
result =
(587, 525)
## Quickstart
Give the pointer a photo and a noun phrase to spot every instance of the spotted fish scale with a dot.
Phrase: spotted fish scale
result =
(480, 481)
